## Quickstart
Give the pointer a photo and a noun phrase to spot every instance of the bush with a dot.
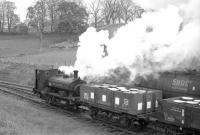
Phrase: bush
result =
(72, 28)
(21, 28)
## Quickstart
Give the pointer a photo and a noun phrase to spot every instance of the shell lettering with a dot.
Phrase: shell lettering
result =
(180, 84)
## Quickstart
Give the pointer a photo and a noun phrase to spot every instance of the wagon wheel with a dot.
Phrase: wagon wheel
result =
(49, 100)
(135, 125)
(93, 114)
(36, 93)
(143, 123)
(39, 95)
(75, 107)
(124, 122)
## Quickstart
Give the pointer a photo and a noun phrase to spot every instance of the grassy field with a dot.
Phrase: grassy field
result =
(22, 118)
(54, 57)
(29, 50)
(20, 45)
(20, 55)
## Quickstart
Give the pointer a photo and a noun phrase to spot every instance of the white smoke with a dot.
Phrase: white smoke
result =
(163, 40)
(160, 4)
(188, 9)
(66, 70)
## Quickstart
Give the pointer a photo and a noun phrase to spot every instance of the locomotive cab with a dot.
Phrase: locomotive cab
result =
(41, 78)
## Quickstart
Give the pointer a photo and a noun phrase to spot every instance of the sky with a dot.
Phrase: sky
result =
(22, 6)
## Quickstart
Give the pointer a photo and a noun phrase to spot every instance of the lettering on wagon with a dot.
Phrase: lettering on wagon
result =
(180, 84)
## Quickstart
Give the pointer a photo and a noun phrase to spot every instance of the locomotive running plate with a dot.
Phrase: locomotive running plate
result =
(192, 102)
(179, 101)
(187, 98)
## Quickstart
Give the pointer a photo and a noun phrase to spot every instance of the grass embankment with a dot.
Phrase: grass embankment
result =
(20, 55)
(20, 45)
(22, 118)
(56, 57)
(19, 73)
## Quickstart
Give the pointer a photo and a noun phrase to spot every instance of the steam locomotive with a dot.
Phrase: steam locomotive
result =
(132, 108)
(56, 87)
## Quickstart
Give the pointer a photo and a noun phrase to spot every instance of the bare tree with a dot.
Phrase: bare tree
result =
(2, 15)
(127, 8)
(95, 11)
(40, 11)
(37, 15)
(31, 18)
(52, 12)
(11, 17)
(109, 11)
(138, 12)
(119, 12)
(113, 11)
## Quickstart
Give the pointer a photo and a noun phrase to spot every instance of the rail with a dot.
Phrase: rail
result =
(25, 92)
(15, 84)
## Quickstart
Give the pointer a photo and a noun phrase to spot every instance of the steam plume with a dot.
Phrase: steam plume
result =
(163, 40)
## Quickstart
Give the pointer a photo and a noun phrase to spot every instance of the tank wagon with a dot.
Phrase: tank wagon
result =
(131, 108)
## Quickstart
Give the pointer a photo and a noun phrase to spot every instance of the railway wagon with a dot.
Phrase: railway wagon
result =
(128, 108)
(181, 113)
(174, 84)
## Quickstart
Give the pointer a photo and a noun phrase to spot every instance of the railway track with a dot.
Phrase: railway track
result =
(25, 93)
(21, 91)
(15, 84)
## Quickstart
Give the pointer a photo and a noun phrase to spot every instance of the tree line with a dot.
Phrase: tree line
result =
(57, 16)
(68, 16)
(106, 12)
(8, 18)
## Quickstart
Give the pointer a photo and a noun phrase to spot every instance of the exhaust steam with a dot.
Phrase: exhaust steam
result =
(165, 39)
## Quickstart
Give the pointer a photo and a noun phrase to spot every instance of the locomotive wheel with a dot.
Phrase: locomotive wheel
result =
(135, 125)
(124, 122)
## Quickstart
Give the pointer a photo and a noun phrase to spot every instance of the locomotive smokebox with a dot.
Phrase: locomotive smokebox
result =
(75, 74)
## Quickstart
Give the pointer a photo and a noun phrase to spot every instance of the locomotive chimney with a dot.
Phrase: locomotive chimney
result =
(75, 74)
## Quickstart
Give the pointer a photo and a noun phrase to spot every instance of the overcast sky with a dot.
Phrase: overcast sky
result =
(21, 7)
